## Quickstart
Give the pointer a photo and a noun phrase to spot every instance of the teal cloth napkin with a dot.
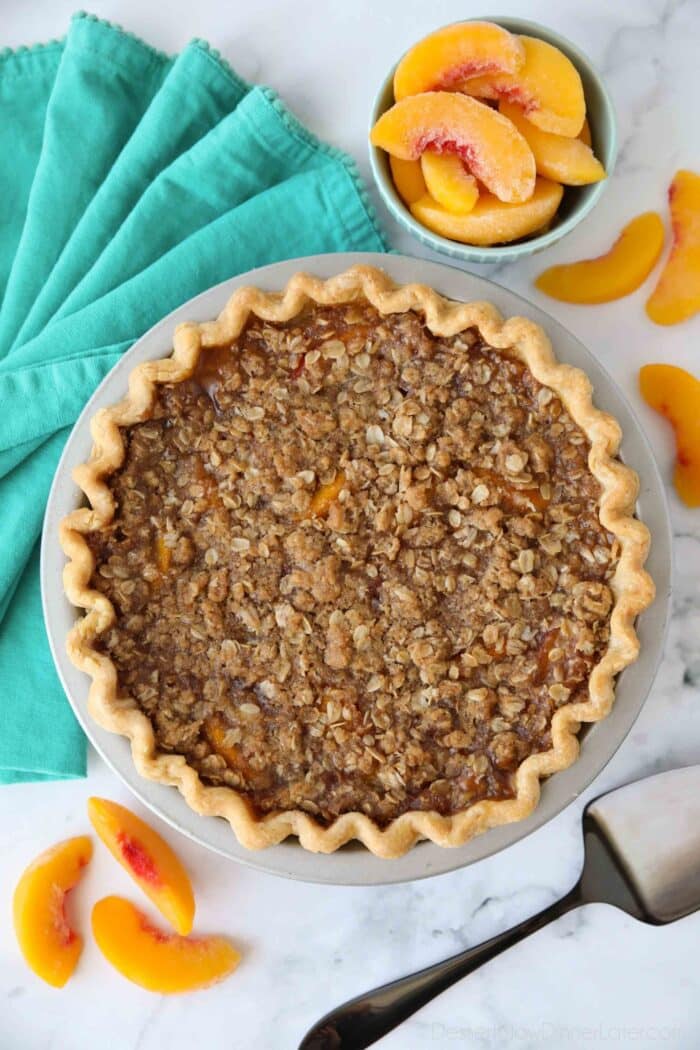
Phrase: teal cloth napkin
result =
(129, 182)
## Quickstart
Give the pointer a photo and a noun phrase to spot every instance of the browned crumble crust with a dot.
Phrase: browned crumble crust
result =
(377, 560)
(404, 650)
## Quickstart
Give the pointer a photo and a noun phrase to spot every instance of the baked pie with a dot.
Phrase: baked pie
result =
(356, 563)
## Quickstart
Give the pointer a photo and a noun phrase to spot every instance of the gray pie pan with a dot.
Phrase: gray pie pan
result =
(353, 864)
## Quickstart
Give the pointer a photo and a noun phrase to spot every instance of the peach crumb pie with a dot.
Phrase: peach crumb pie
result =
(356, 562)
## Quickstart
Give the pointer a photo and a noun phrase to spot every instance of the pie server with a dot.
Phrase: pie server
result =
(641, 854)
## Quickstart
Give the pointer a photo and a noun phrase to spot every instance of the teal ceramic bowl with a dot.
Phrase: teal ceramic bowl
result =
(577, 202)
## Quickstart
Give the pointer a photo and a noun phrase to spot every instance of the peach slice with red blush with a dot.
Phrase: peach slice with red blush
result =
(450, 55)
(49, 944)
(158, 961)
(557, 157)
(675, 394)
(491, 221)
(407, 176)
(490, 147)
(547, 88)
(449, 182)
(677, 294)
(148, 858)
(611, 276)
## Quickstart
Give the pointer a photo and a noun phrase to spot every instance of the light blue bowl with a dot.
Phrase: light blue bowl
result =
(577, 202)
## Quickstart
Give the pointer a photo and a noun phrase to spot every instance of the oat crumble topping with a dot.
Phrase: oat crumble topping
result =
(356, 567)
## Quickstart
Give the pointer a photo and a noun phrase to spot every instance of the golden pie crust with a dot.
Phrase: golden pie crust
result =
(631, 586)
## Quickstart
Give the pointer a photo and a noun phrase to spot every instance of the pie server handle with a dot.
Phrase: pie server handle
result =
(362, 1021)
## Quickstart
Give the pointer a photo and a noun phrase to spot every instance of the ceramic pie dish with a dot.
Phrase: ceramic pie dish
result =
(407, 758)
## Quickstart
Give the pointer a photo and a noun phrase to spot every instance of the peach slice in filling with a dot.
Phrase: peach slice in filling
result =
(547, 88)
(216, 732)
(49, 945)
(449, 182)
(677, 294)
(491, 221)
(164, 554)
(408, 178)
(557, 157)
(148, 858)
(488, 144)
(611, 276)
(325, 495)
(675, 393)
(157, 961)
(456, 52)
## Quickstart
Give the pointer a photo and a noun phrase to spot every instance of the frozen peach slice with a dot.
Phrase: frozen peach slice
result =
(491, 221)
(677, 294)
(157, 961)
(148, 858)
(449, 182)
(408, 179)
(557, 157)
(50, 946)
(547, 88)
(675, 393)
(444, 122)
(456, 52)
(613, 275)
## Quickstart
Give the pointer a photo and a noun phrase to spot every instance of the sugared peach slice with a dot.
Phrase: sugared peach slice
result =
(158, 961)
(408, 179)
(491, 221)
(613, 275)
(675, 393)
(325, 495)
(48, 943)
(444, 122)
(677, 295)
(456, 52)
(547, 88)
(449, 182)
(557, 157)
(148, 858)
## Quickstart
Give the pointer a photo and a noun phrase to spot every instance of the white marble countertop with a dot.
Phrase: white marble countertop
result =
(597, 976)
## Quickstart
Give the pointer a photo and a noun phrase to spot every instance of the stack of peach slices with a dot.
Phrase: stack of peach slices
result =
(486, 130)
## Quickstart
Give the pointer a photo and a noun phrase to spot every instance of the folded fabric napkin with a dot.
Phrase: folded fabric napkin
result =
(129, 182)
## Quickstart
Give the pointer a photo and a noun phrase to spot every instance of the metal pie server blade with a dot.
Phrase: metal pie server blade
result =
(641, 854)
(652, 828)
